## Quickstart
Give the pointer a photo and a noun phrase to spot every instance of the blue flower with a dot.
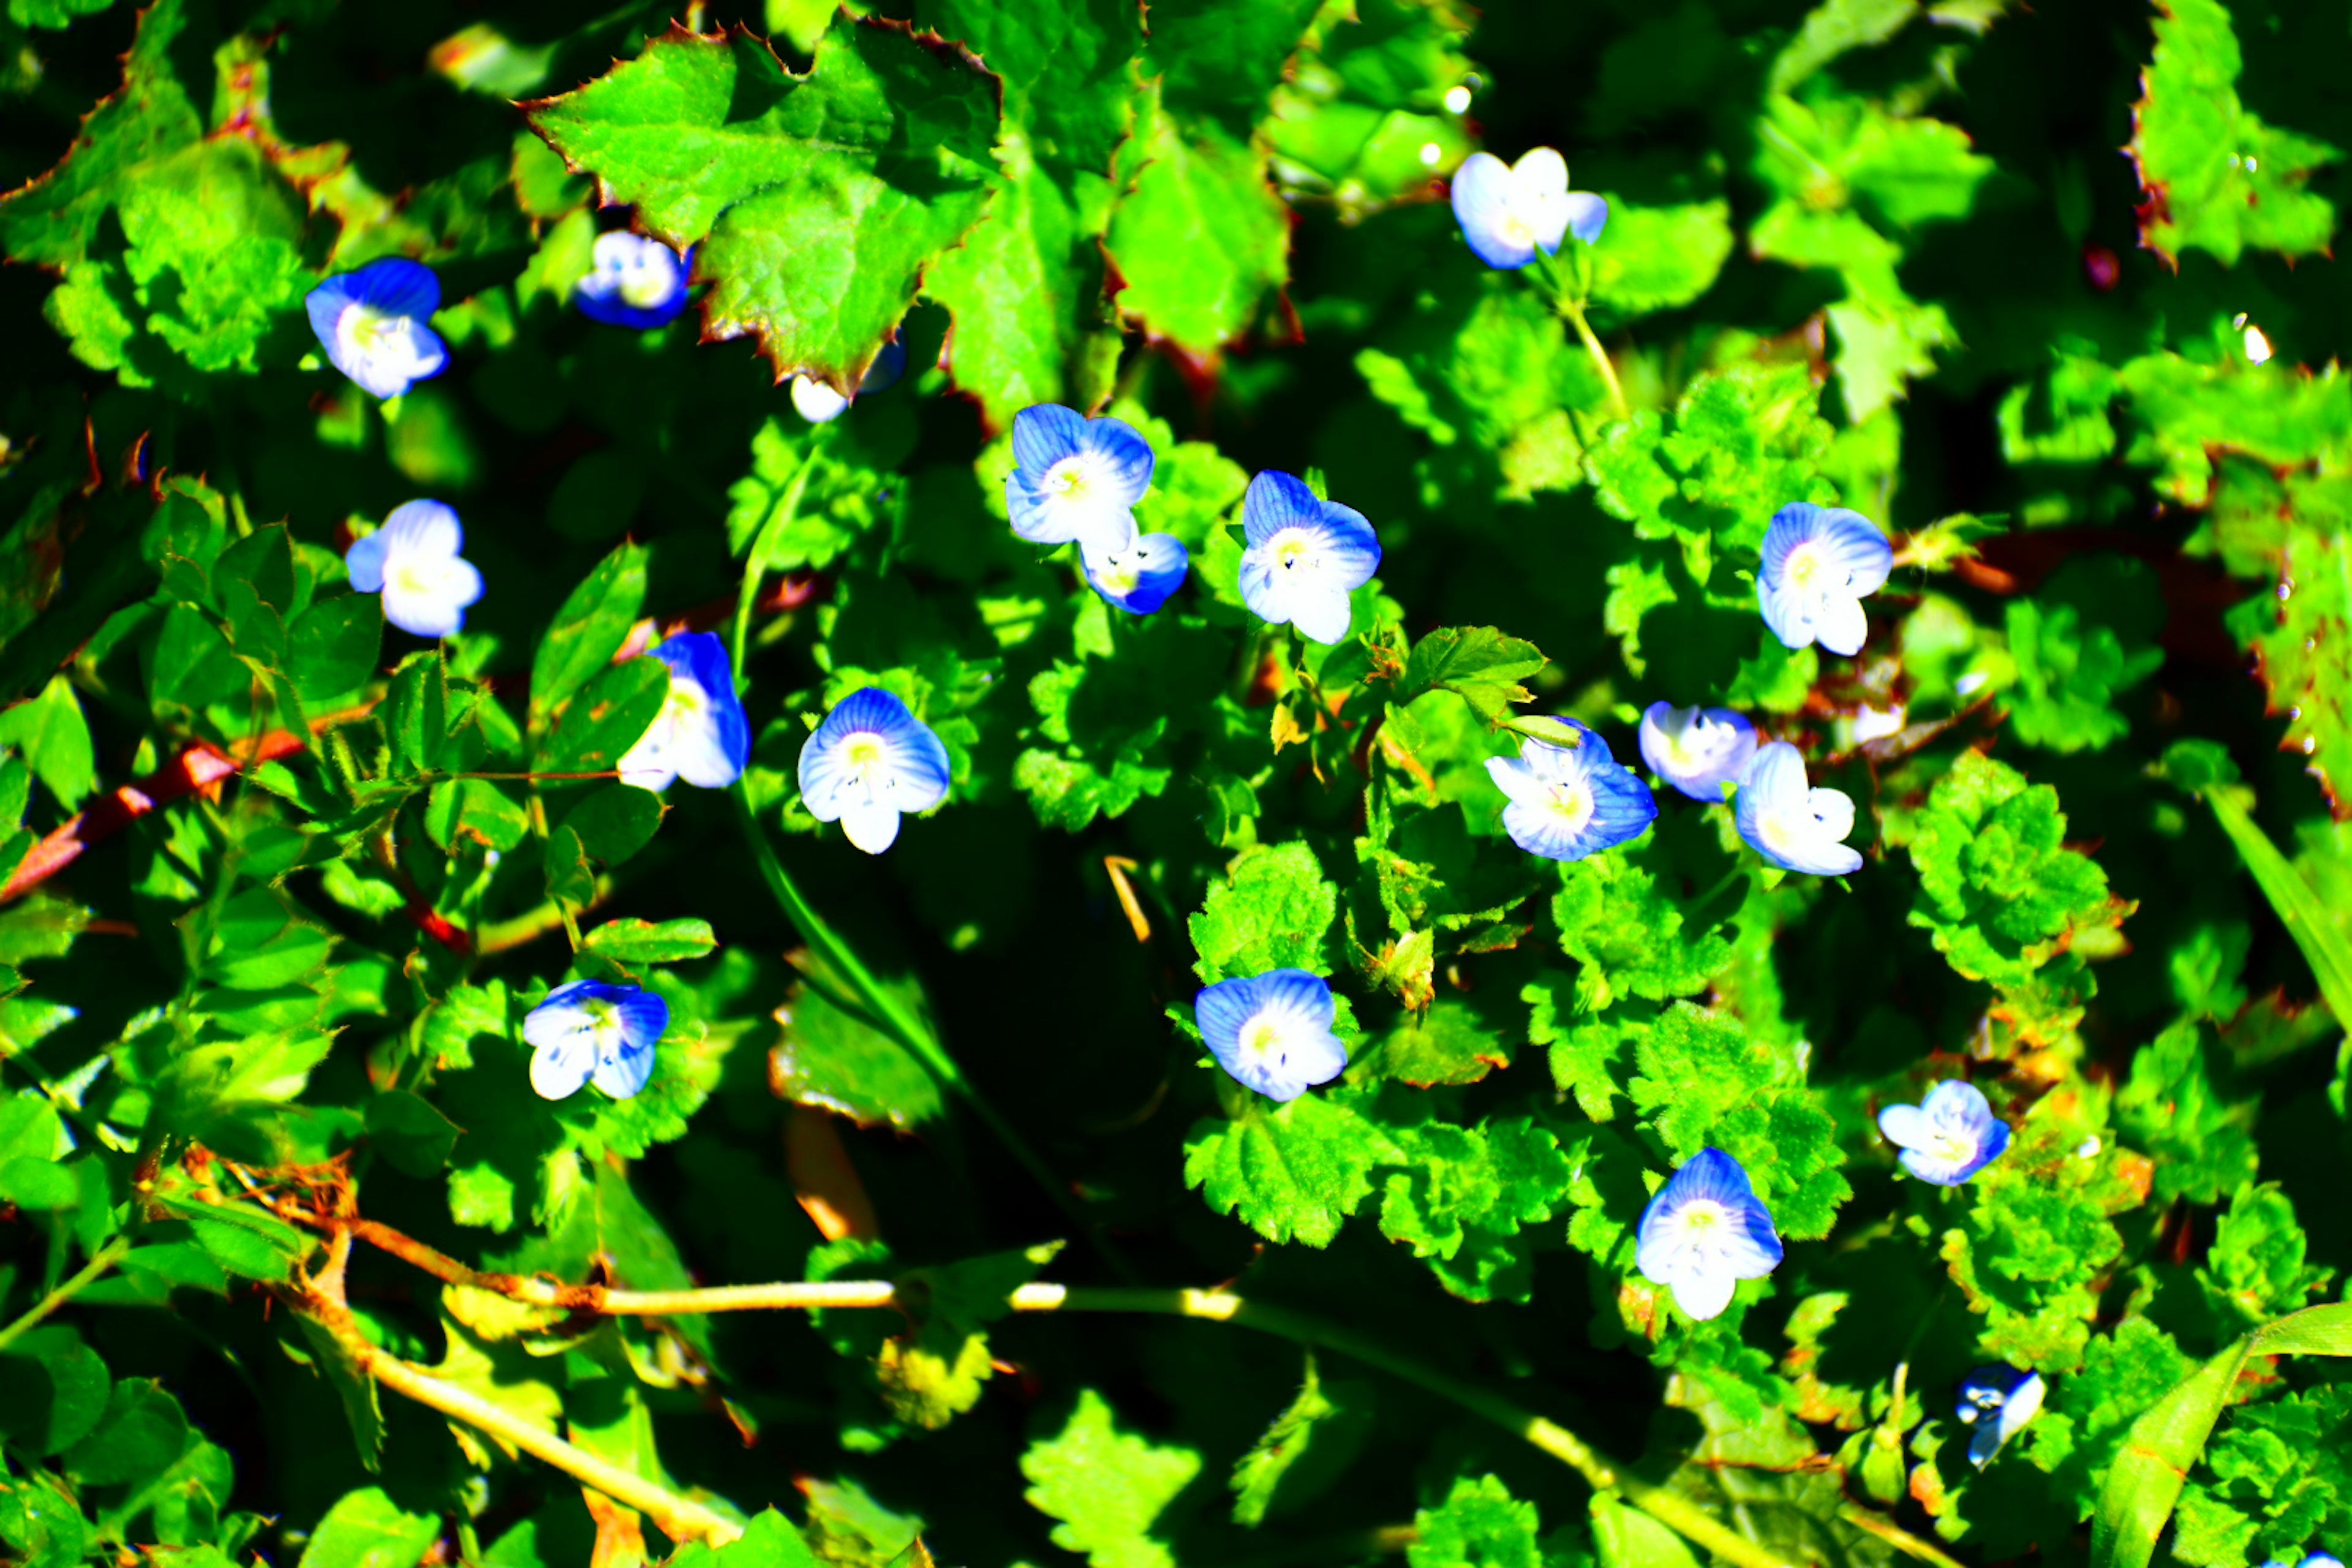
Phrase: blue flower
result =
(819, 403)
(635, 281)
(1508, 211)
(1998, 1401)
(1304, 556)
(1697, 749)
(1077, 479)
(1947, 1137)
(413, 561)
(1272, 1032)
(1140, 578)
(1568, 801)
(870, 761)
(1706, 1231)
(1794, 827)
(589, 1029)
(700, 735)
(372, 324)
(1818, 564)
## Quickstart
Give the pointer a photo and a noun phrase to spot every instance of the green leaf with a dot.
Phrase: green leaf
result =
(1307, 1448)
(613, 821)
(1109, 1489)
(1272, 911)
(50, 733)
(1201, 240)
(1659, 258)
(1291, 1172)
(644, 942)
(366, 1529)
(769, 1541)
(1480, 664)
(414, 1138)
(861, 171)
(2176, 1106)
(2290, 532)
(1620, 919)
(1466, 1192)
(457, 810)
(332, 646)
(417, 711)
(142, 1434)
(212, 1081)
(588, 630)
(53, 1391)
(2256, 1267)
(607, 716)
(1479, 1525)
(935, 1373)
(2217, 176)
(833, 1057)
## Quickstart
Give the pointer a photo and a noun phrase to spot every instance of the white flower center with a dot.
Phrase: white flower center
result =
(1951, 1146)
(1515, 230)
(1573, 803)
(1291, 549)
(868, 761)
(1262, 1042)
(365, 328)
(1806, 564)
(1119, 575)
(646, 284)
(1068, 478)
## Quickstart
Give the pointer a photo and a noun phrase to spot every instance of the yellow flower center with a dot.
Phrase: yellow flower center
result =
(1067, 478)
(1574, 804)
(1805, 564)
(1289, 546)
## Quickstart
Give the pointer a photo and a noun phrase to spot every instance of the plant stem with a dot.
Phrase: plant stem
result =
(104, 1258)
(902, 1024)
(755, 561)
(1574, 313)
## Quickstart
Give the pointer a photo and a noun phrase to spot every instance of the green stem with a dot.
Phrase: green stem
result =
(902, 1024)
(1574, 313)
(104, 1258)
(755, 563)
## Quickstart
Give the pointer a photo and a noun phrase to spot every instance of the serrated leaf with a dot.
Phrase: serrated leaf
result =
(1291, 1172)
(1109, 1489)
(1306, 1449)
(366, 1529)
(1479, 1525)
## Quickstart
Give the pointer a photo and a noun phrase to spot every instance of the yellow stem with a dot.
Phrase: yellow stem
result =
(1575, 315)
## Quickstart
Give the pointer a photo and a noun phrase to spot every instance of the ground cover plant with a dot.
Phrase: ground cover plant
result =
(1264, 781)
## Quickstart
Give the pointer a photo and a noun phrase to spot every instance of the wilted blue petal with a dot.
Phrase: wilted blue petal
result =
(633, 281)
(1998, 1400)
(701, 735)
(1568, 801)
(1697, 751)
(1272, 1031)
(1140, 578)
(1819, 564)
(1704, 1232)
(1793, 827)
(1949, 1136)
(372, 324)
(413, 561)
(1304, 556)
(870, 761)
(1076, 479)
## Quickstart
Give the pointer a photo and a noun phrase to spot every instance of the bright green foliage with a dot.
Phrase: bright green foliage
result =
(1364, 99)
(1479, 1525)
(1108, 1487)
(2174, 1107)
(2218, 178)
(1271, 913)
(1291, 1172)
(861, 172)
(1306, 1449)
(1466, 1196)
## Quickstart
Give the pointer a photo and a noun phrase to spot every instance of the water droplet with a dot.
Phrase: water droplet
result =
(2088, 1148)
(1430, 153)
(2258, 347)
(1458, 99)
(2310, 744)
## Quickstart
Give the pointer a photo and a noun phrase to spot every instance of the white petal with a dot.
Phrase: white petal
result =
(1703, 1292)
(871, 826)
(1321, 612)
(1839, 624)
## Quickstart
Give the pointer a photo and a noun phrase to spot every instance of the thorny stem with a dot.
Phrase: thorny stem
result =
(1669, 1508)
(104, 1258)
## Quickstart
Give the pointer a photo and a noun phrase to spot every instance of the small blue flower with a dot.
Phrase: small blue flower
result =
(701, 735)
(1820, 562)
(592, 1030)
(1508, 211)
(819, 403)
(1272, 1031)
(1706, 1231)
(868, 761)
(2317, 1559)
(1568, 801)
(1947, 1137)
(1140, 578)
(1304, 556)
(633, 281)
(1998, 1401)
(1697, 749)
(413, 561)
(1794, 827)
(1077, 479)
(372, 324)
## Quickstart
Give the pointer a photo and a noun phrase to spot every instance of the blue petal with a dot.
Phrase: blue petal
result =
(888, 367)
(917, 779)
(1157, 563)
(1129, 456)
(1310, 1054)
(1586, 215)
(1220, 1010)
(363, 562)
(714, 755)
(1481, 196)
(1713, 1174)
(1043, 434)
(626, 1071)
(1349, 544)
(1277, 500)
(394, 284)
(1697, 752)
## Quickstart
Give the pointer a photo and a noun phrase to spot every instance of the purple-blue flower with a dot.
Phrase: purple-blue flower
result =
(701, 735)
(1568, 801)
(372, 324)
(1795, 828)
(1947, 1137)
(870, 761)
(1140, 578)
(1508, 211)
(1706, 1231)
(1272, 1031)
(1077, 479)
(413, 561)
(1998, 1401)
(1697, 749)
(1303, 556)
(634, 281)
(1820, 562)
(819, 403)
(589, 1030)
